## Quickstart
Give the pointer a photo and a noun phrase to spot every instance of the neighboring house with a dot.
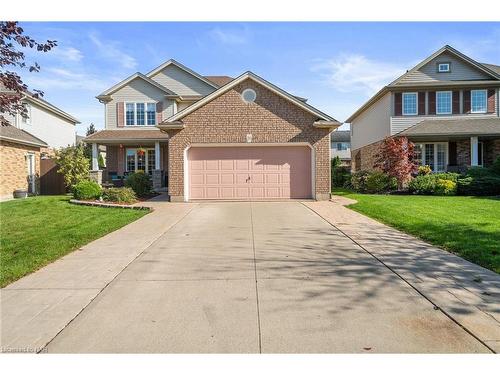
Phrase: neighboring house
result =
(46, 122)
(19, 160)
(447, 105)
(214, 137)
(341, 146)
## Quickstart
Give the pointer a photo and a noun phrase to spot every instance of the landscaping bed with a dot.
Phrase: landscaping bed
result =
(38, 230)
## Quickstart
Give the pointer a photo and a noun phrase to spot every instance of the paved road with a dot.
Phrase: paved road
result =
(259, 277)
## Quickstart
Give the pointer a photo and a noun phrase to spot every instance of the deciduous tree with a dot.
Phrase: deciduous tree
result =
(396, 158)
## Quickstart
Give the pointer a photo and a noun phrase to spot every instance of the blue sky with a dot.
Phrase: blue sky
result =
(337, 66)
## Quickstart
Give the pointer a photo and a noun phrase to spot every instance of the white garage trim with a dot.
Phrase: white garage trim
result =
(297, 144)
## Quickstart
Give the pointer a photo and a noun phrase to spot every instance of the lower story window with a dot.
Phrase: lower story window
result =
(434, 155)
(140, 159)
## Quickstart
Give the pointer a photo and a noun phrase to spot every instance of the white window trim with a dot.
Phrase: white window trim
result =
(135, 158)
(435, 155)
(485, 99)
(403, 104)
(135, 113)
(451, 102)
(444, 71)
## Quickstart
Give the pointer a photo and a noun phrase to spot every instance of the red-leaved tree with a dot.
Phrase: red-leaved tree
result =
(12, 88)
(396, 158)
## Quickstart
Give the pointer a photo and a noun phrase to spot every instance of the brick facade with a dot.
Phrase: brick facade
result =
(491, 151)
(14, 167)
(363, 159)
(228, 119)
(463, 153)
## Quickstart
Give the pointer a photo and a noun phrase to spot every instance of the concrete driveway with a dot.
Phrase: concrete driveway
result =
(266, 277)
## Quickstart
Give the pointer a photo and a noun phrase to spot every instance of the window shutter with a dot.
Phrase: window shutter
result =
(120, 120)
(491, 101)
(432, 102)
(456, 102)
(421, 103)
(466, 101)
(398, 104)
(159, 112)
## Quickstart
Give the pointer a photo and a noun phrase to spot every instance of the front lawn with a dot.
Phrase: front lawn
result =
(466, 226)
(38, 230)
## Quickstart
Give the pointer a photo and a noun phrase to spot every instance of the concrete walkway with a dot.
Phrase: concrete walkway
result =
(269, 277)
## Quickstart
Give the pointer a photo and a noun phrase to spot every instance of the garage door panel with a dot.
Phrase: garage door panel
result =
(269, 172)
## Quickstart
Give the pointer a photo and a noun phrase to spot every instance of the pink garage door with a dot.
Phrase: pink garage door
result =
(244, 172)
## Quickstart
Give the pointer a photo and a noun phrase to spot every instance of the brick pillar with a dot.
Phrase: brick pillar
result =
(96, 176)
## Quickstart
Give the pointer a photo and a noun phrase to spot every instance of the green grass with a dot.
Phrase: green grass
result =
(466, 226)
(38, 230)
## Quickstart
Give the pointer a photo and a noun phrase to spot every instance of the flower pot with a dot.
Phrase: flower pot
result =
(20, 193)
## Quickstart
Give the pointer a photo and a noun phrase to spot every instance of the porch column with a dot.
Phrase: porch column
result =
(474, 152)
(157, 155)
(95, 163)
(157, 171)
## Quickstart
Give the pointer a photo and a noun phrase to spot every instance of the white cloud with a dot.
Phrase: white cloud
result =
(64, 79)
(357, 73)
(229, 36)
(69, 54)
(111, 51)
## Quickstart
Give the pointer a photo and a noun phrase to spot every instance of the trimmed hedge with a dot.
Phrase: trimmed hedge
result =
(140, 183)
(119, 195)
(434, 184)
(482, 185)
(372, 182)
(87, 189)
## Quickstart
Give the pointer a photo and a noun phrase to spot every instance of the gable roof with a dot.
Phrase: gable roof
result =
(219, 80)
(183, 67)
(12, 134)
(490, 69)
(456, 53)
(123, 83)
(249, 75)
(50, 107)
(341, 136)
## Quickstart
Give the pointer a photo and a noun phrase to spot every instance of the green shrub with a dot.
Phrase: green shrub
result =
(428, 184)
(495, 167)
(445, 187)
(87, 190)
(358, 181)
(424, 170)
(479, 172)
(379, 182)
(340, 174)
(119, 195)
(140, 183)
(482, 185)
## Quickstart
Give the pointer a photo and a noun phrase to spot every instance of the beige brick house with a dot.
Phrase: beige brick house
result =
(215, 137)
(19, 160)
(448, 105)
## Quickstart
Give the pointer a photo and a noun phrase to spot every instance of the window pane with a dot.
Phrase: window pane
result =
(429, 155)
(151, 113)
(130, 160)
(130, 114)
(478, 101)
(443, 100)
(409, 104)
(151, 161)
(140, 113)
(441, 157)
(141, 160)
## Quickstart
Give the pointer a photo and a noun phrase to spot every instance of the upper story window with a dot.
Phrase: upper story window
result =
(443, 102)
(409, 103)
(478, 99)
(27, 120)
(444, 67)
(140, 113)
(341, 146)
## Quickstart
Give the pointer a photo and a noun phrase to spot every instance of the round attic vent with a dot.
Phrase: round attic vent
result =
(249, 95)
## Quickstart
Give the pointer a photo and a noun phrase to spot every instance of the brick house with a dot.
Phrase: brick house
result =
(447, 105)
(214, 137)
(19, 160)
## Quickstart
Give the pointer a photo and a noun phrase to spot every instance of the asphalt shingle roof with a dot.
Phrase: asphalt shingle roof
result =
(13, 134)
(487, 126)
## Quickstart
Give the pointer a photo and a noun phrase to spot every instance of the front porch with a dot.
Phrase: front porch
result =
(129, 151)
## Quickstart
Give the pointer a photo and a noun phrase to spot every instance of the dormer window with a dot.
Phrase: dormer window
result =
(444, 67)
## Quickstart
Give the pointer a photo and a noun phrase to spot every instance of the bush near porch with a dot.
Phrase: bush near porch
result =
(467, 226)
(38, 230)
